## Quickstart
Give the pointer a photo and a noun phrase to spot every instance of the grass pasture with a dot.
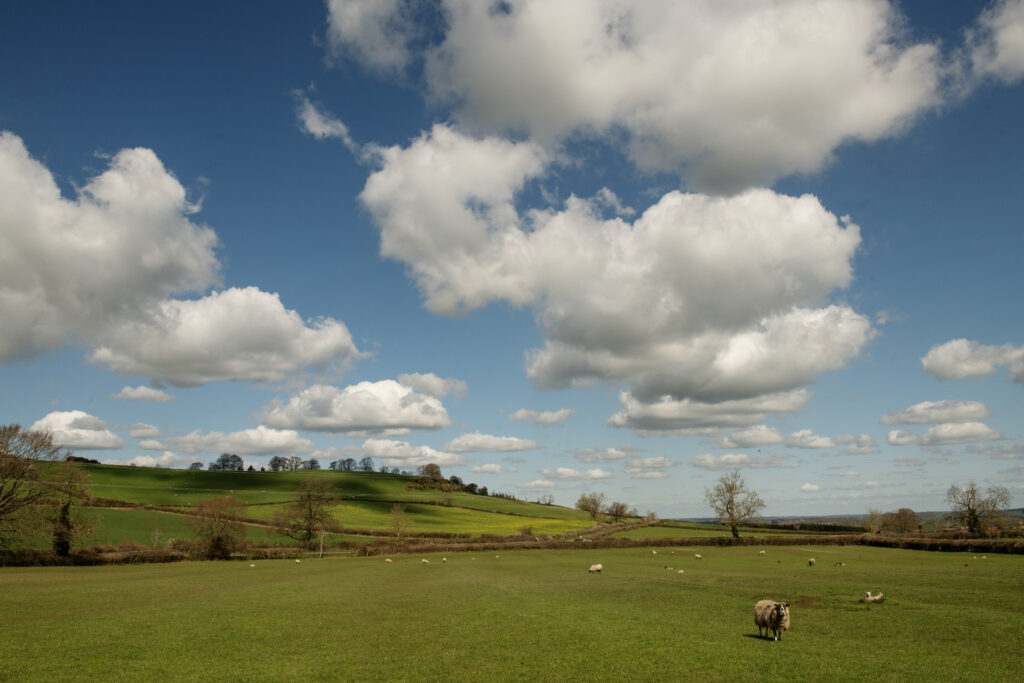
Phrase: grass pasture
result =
(530, 615)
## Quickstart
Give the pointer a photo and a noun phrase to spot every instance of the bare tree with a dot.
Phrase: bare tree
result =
(591, 503)
(27, 461)
(216, 524)
(617, 511)
(903, 521)
(399, 522)
(70, 495)
(975, 511)
(309, 514)
(734, 504)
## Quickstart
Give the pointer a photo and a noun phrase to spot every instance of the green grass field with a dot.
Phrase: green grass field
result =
(530, 615)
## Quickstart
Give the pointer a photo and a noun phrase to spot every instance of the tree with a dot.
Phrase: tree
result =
(26, 458)
(313, 464)
(366, 464)
(456, 483)
(196, 466)
(734, 504)
(277, 463)
(216, 524)
(399, 522)
(873, 520)
(617, 511)
(228, 462)
(903, 521)
(70, 487)
(309, 514)
(977, 512)
(431, 471)
(591, 503)
(483, 491)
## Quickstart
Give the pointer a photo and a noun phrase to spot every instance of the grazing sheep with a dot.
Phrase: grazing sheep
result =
(868, 597)
(760, 552)
(252, 565)
(595, 569)
(698, 556)
(444, 560)
(387, 560)
(425, 561)
(654, 552)
(773, 616)
(810, 562)
(681, 571)
(298, 561)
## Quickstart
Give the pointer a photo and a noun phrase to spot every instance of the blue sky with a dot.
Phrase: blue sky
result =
(553, 247)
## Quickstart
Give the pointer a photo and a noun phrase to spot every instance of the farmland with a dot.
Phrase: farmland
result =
(529, 615)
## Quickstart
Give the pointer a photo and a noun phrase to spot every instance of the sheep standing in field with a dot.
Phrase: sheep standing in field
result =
(425, 561)
(760, 552)
(773, 616)
(387, 560)
(444, 560)
(810, 562)
(868, 597)
(595, 569)
(698, 556)
(654, 552)
(298, 561)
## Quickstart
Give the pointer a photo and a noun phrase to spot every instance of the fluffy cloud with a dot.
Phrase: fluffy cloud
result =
(235, 334)
(70, 268)
(959, 432)
(901, 437)
(142, 393)
(810, 487)
(485, 443)
(546, 418)
(858, 444)
(77, 429)
(702, 297)
(996, 45)
(569, 474)
(435, 386)
(259, 441)
(141, 430)
(402, 453)
(938, 412)
(805, 438)
(694, 417)
(758, 435)
(962, 358)
(732, 461)
(649, 468)
(167, 459)
(320, 124)
(604, 454)
(738, 93)
(99, 271)
(491, 468)
(384, 408)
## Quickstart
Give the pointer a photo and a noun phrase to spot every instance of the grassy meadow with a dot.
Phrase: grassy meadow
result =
(528, 615)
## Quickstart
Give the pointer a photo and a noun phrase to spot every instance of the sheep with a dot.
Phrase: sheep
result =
(252, 565)
(760, 552)
(868, 597)
(444, 560)
(595, 568)
(810, 562)
(654, 552)
(425, 561)
(387, 560)
(681, 571)
(770, 615)
(698, 556)
(298, 561)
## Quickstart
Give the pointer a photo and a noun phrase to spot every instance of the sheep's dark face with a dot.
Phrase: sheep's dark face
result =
(781, 609)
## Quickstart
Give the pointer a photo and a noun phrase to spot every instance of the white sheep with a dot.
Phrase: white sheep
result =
(868, 597)
(252, 565)
(595, 568)
(810, 562)
(425, 561)
(681, 571)
(698, 556)
(298, 561)
(444, 560)
(773, 616)
(654, 552)
(387, 560)
(760, 552)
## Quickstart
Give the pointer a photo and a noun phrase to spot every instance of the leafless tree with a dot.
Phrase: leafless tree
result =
(216, 523)
(399, 522)
(975, 511)
(618, 511)
(591, 503)
(309, 514)
(734, 504)
(28, 462)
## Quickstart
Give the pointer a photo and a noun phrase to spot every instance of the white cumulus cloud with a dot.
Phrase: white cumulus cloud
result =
(402, 454)
(858, 444)
(901, 437)
(805, 438)
(963, 358)
(938, 412)
(959, 432)
(649, 468)
(695, 417)
(732, 461)
(758, 435)
(141, 430)
(810, 487)
(569, 474)
(432, 385)
(77, 429)
(261, 440)
(589, 455)
(142, 393)
(546, 417)
(485, 443)
(384, 408)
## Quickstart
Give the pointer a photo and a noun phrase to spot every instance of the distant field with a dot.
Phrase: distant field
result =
(530, 615)
(684, 532)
